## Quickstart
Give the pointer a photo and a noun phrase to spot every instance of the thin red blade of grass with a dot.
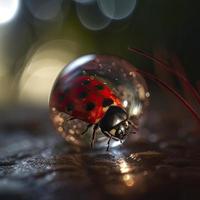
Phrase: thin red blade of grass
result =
(198, 86)
(167, 68)
(170, 89)
(179, 68)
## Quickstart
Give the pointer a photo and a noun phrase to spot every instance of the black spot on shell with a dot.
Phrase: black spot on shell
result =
(66, 90)
(85, 82)
(82, 95)
(70, 107)
(107, 102)
(90, 106)
(61, 97)
(99, 87)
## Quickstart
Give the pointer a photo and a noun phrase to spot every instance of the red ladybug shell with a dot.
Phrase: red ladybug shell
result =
(84, 98)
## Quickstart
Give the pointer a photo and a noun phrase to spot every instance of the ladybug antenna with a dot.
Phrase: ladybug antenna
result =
(166, 67)
(171, 90)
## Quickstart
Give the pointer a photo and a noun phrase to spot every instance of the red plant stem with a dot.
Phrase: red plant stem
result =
(167, 68)
(161, 83)
(198, 85)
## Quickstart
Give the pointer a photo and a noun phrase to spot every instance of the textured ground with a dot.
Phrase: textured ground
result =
(35, 163)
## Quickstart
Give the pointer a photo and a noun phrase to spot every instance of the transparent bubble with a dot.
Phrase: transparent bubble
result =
(70, 97)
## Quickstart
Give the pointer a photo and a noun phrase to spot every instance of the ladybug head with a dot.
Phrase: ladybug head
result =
(121, 130)
(115, 122)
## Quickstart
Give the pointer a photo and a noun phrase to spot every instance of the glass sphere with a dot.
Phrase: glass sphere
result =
(116, 74)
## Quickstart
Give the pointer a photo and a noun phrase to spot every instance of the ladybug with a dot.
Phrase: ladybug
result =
(92, 101)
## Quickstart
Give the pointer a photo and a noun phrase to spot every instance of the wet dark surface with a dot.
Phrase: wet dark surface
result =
(35, 163)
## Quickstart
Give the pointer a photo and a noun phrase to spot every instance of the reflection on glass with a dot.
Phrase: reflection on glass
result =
(127, 176)
(128, 180)
(123, 165)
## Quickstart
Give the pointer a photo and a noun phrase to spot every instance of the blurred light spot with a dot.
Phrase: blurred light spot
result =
(141, 91)
(60, 129)
(115, 143)
(42, 69)
(35, 86)
(123, 165)
(8, 9)
(128, 180)
(71, 139)
(44, 10)
(136, 110)
(147, 94)
(145, 173)
(84, 1)
(117, 9)
(132, 74)
(3, 71)
(57, 119)
(125, 103)
(153, 138)
(91, 16)
(5, 78)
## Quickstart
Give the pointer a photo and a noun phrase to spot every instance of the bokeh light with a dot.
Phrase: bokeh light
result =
(84, 1)
(42, 68)
(44, 10)
(125, 170)
(8, 9)
(91, 16)
(117, 9)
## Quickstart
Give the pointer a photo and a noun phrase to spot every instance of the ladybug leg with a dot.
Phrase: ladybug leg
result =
(110, 137)
(96, 126)
(108, 143)
(88, 126)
